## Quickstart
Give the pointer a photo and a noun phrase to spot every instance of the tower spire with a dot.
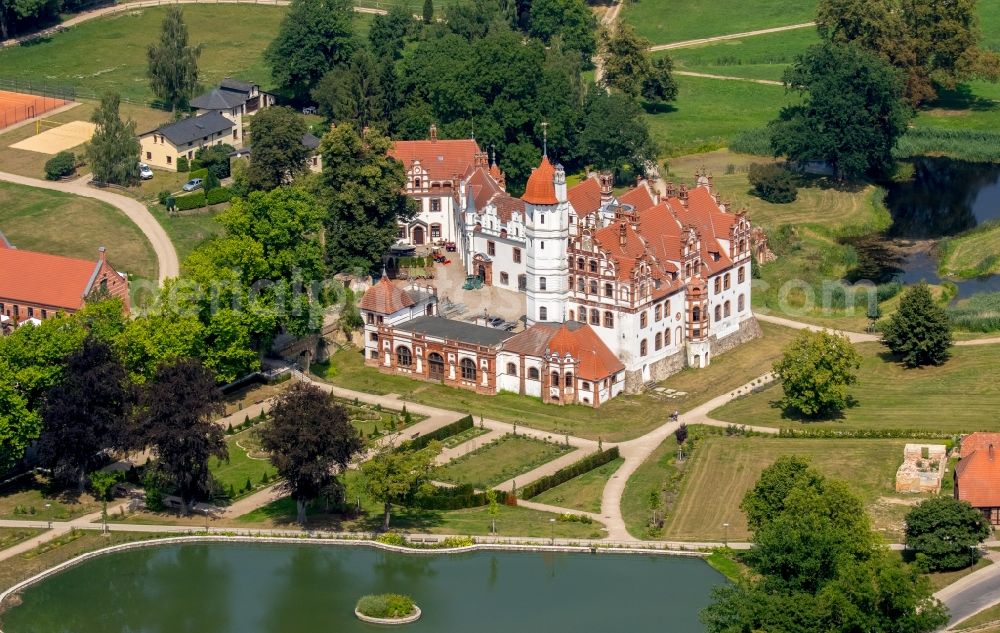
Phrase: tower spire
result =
(545, 138)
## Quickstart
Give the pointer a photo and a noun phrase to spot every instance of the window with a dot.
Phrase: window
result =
(504, 279)
(31, 312)
(687, 270)
(586, 386)
(609, 290)
(595, 317)
(725, 283)
(512, 369)
(643, 348)
(541, 218)
(609, 319)
(593, 286)
(435, 366)
(740, 304)
(170, 159)
(522, 282)
(583, 314)
(517, 256)
(374, 336)
(572, 316)
(658, 312)
(643, 319)
(579, 284)
(416, 183)
(593, 265)
(149, 155)
(236, 135)
(371, 318)
(491, 249)
(468, 369)
(741, 276)
(727, 309)
(541, 283)
(533, 373)
(436, 231)
(374, 354)
(658, 341)
(555, 379)
(541, 244)
(718, 285)
(696, 314)
(569, 379)
(45, 313)
(403, 356)
(435, 205)
(543, 313)
(666, 336)
(718, 313)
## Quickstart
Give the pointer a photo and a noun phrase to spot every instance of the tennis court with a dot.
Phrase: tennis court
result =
(18, 106)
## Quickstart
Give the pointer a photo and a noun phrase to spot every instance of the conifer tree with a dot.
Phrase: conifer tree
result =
(113, 151)
(173, 63)
(428, 11)
(919, 332)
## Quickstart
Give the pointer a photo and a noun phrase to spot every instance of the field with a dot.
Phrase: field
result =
(498, 461)
(756, 57)
(64, 224)
(973, 254)
(722, 469)
(622, 418)
(583, 492)
(665, 21)
(891, 397)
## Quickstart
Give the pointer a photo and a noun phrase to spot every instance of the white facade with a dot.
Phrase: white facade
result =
(547, 230)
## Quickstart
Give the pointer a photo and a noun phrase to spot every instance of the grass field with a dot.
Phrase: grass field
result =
(960, 396)
(241, 467)
(498, 461)
(658, 476)
(64, 224)
(12, 536)
(28, 499)
(971, 255)
(757, 57)
(722, 469)
(622, 418)
(665, 21)
(581, 493)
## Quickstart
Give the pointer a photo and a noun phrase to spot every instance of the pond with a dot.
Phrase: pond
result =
(285, 588)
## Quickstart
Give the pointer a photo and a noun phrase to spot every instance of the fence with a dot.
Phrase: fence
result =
(39, 88)
(23, 99)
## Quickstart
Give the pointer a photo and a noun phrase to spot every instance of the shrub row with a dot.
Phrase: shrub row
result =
(198, 173)
(587, 464)
(200, 198)
(457, 498)
(447, 430)
(862, 434)
(219, 195)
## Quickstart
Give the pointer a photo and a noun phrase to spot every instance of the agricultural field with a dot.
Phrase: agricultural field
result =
(892, 397)
(665, 21)
(582, 492)
(498, 461)
(73, 226)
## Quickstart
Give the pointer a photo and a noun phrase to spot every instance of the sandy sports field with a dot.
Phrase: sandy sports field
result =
(57, 139)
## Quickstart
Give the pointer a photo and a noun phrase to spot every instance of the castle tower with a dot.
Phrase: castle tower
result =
(547, 231)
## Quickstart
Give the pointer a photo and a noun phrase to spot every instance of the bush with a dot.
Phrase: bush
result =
(194, 200)
(182, 164)
(199, 173)
(438, 434)
(196, 164)
(163, 196)
(391, 538)
(587, 464)
(773, 183)
(218, 195)
(456, 498)
(386, 605)
(59, 166)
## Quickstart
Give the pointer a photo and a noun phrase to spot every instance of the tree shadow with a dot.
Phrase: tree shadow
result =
(793, 415)
(816, 181)
(961, 98)
(658, 108)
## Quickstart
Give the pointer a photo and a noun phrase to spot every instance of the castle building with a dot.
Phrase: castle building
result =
(618, 291)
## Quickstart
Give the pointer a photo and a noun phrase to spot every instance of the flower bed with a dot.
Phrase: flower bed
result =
(387, 608)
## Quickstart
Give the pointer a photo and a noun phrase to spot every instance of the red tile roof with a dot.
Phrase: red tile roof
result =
(385, 298)
(625, 255)
(640, 198)
(586, 196)
(442, 159)
(487, 191)
(978, 472)
(44, 279)
(596, 361)
(541, 188)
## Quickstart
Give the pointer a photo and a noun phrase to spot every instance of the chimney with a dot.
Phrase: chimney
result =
(102, 254)
(434, 133)
(607, 182)
(991, 452)
(622, 234)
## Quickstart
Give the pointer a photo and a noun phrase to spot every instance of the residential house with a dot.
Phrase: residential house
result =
(163, 146)
(234, 100)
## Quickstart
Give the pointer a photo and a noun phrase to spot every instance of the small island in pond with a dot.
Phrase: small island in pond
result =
(387, 608)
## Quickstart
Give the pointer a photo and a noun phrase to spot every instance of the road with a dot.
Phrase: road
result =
(973, 593)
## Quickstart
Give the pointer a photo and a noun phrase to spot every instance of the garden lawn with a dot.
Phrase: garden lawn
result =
(960, 396)
(722, 469)
(665, 21)
(658, 476)
(12, 536)
(28, 499)
(73, 226)
(498, 461)
(940, 580)
(583, 492)
(241, 467)
(757, 57)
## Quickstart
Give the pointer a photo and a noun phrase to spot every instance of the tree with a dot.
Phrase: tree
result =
(570, 20)
(174, 419)
(113, 151)
(428, 13)
(22, 15)
(278, 153)
(85, 414)
(394, 476)
(773, 183)
(102, 482)
(659, 85)
(626, 60)
(173, 63)
(815, 371)
(615, 135)
(353, 94)
(850, 113)
(767, 498)
(681, 433)
(945, 533)
(493, 509)
(919, 332)
(215, 159)
(309, 439)
(314, 37)
(363, 192)
(387, 34)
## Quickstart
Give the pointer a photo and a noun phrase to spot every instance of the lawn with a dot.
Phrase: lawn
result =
(583, 492)
(373, 421)
(940, 580)
(653, 485)
(499, 461)
(757, 57)
(29, 499)
(620, 419)
(65, 224)
(973, 254)
(962, 395)
(722, 469)
(665, 21)
(246, 464)
(10, 537)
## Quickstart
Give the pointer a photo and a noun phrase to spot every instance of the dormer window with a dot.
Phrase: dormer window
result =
(416, 183)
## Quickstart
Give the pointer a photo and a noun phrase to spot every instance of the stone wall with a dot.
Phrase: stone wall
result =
(749, 330)
(658, 370)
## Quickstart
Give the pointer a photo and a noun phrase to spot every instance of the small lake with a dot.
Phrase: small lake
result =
(288, 588)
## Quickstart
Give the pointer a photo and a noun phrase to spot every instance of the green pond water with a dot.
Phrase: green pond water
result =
(276, 588)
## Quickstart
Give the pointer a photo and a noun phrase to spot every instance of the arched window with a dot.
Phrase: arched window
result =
(579, 284)
(740, 304)
(643, 348)
(624, 293)
(579, 263)
(555, 379)
(658, 312)
(666, 336)
(416, 183)
(609, 290)
(643, 319)
(741, 275)
(512, 369)
(658, 341)
(696, 314)
(593, 286)
(677, 335)
(468, 369)
(403, 356)
(728, 311)
(542, 283)
(572, 316)
(687, 270)
(718, 313)
(543, 314)
(593, 265)
(609, 319)
(569, 379)
(533, 373)
(595, 316)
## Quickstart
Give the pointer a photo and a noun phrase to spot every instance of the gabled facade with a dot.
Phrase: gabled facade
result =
(234, 100)
(163, 146)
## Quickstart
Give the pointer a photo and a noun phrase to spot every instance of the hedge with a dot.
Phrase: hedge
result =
(59, 166)
(194, 200)
(219, 195)
(199, 173)
(585, 465)
(196, 165)
(457, 498)
(182, 164)
(863, 434)
(447, 430)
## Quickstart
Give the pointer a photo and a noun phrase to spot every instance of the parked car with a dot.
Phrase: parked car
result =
(145, 172)
(496, 322)
(191, 185)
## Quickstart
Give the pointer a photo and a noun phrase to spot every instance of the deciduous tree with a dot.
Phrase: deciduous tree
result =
(626, 63)
(394, 476)
(570, 20)
(352, 94)
(945, 533)
(659, 85)
(173, 63)
(113, 150)
(919, 332)
(278, 153)
(815, 371)
(387, 34)
(310, 440)
(615, 135)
